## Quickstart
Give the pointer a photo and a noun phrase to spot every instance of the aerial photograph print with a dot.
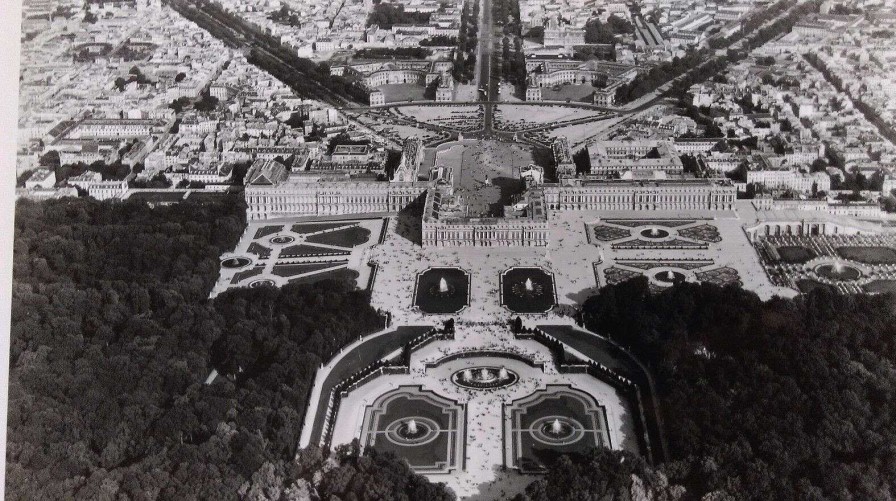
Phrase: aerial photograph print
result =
(437, 250)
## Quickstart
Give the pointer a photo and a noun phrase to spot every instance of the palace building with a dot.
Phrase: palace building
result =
(272, 191)
(623, 194)
(375, 74)
(446, 224)
(606, 76)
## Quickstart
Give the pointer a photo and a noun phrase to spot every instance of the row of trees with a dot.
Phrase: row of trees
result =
(465, 55)
(870, 114)
(783, 399)
(506, 14)
(511, 64)
(698, 65)
(393, 53)
(439, 41)
(305, 77)
(109, 171)
(756, 19)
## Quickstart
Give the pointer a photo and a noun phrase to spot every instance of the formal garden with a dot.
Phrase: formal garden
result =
(553, 421)
(300, 252)
(843, 263)
(423, 428)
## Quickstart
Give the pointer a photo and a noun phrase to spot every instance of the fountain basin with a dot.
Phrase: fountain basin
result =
(412, 431)
(282, 240)
(557, 430)
(838, 272)
(655, 233)
(484, 378)
(527, 290)
(236, 262)
(669, 277)
(442, 290)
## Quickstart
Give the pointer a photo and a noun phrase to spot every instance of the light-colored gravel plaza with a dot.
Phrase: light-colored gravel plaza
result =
(571, 257)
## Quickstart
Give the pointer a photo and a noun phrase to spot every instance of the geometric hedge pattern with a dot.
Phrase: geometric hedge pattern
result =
(654, 233)
(436, 442)
(553, 421)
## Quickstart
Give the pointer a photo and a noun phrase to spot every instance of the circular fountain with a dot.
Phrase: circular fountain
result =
(416, 430)
(838, 272)
(484, 378)
(282, 239)
(557, 430)
(236, 262)
(669, 277)
(655, 233)
(263, 282)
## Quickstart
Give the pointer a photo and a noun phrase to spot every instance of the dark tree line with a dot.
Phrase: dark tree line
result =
(113, 336)
(871, 115)
(305, 77)
(601, 475)
(385, 15)
(393, 53)
(699, 65)
(439, 41)
(783, 399)
(465, 55)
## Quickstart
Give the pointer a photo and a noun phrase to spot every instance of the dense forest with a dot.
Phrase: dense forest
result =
(602, 475)
(784, 399)
(112, 339)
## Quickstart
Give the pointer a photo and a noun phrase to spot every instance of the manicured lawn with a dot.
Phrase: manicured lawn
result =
(242, 275)
(880, 286)
(532, 454)
(518, 299)
(795, 254)
(337, 274)
(291, 270)
(267, 230)
(259, 250)
(348, 237)
(430, 300)
(807, 285)
(426, 456)
(868, 254)
(302, 250)
(315, 227)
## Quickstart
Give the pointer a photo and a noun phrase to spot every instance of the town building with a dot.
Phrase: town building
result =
(609, 157)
